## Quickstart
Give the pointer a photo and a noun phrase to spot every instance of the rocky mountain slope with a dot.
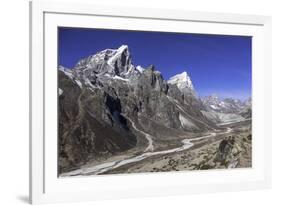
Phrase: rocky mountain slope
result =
(107, 106)
(226, 110)
(227, 105)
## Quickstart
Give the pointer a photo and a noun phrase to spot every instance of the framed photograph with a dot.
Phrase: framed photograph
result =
(130, 102)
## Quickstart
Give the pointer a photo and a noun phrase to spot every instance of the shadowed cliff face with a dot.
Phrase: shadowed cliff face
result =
(90, 125)
(104, 94)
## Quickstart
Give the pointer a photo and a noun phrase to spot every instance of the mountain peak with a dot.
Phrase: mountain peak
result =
(184, 74)
(212, 96)
(224, 105)
(182, 81)
(109, 55)
(123, 47)
(122, 54)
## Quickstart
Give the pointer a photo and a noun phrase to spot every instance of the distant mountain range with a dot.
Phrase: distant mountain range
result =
(108, 105)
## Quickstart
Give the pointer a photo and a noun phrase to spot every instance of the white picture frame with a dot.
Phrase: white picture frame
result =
(46, 187)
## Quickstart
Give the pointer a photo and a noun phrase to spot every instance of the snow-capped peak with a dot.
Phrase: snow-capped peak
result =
(182, 81)
(224, 105)
(140, 69)
(109, 55)
(122, 48)
(118, 53)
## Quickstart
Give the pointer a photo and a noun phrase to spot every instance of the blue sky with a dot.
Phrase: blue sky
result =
(217, 64)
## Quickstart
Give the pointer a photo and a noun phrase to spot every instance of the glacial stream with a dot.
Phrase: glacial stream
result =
(101, 168)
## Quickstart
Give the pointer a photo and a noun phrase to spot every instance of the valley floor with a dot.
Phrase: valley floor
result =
(209, 151)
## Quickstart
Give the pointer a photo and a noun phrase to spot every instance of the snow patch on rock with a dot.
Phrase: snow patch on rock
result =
(186, 123)
(78, 83)
(140, 69)
(60, 92)
(120, 78)
(117, 55)
(67, 72)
